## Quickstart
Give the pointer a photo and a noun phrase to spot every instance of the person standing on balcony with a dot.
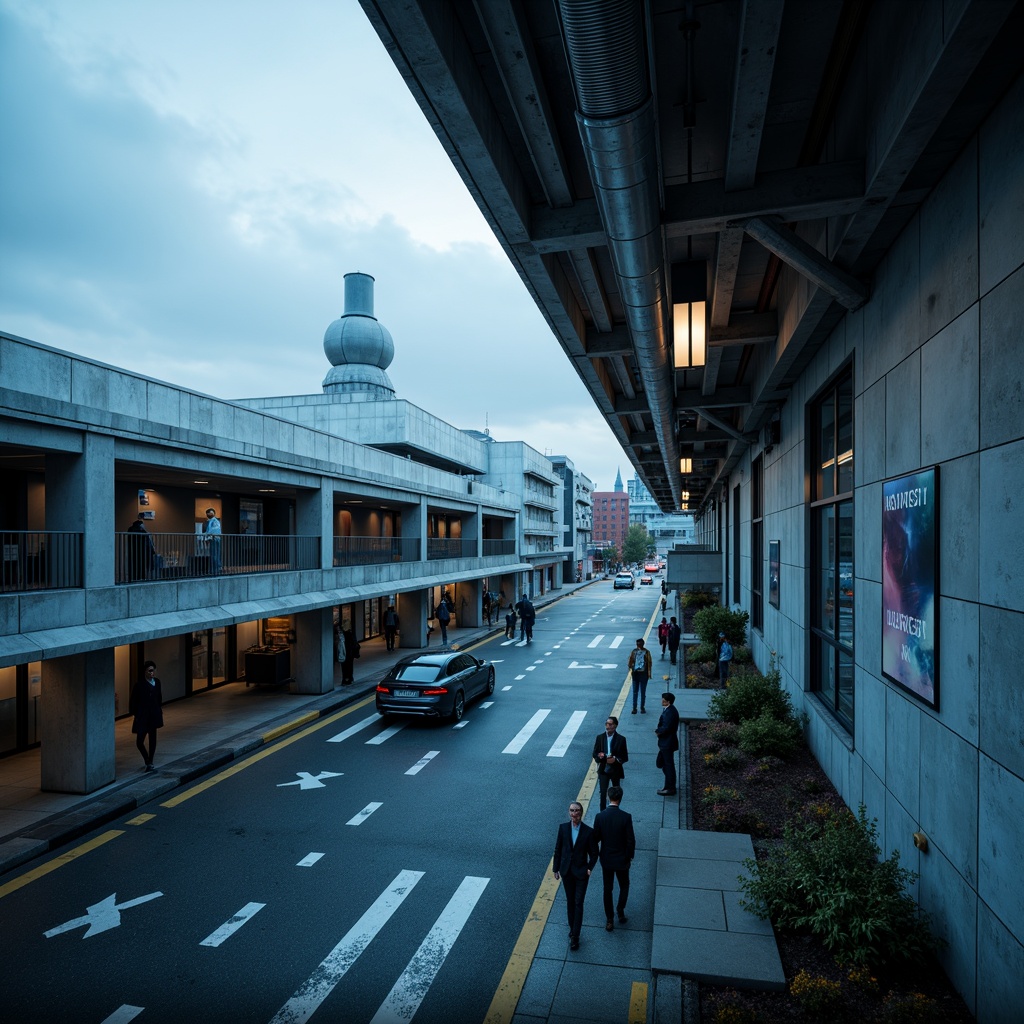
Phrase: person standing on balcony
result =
(146, 705)
(212, 529)
(391, 625)
(141, 550)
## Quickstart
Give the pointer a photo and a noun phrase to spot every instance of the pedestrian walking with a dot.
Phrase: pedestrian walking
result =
(640, 666)
(510, 623)
(487, 606)
(613, 830)
(724, 657)
(391, 626)
(675, 634)
(668, 742)
(574, 859)
(610, 753)
(663, 634)
(146, 704)
(443, 615)
(527, 617)
(351, 648)
(664, 604)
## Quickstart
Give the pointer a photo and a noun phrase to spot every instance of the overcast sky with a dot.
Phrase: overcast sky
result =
(184, 186)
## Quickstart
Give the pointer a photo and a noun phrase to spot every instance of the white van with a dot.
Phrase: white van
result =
(624, 581)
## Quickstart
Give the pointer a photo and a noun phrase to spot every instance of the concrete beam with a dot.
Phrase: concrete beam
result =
(745, 329)
(723, 398)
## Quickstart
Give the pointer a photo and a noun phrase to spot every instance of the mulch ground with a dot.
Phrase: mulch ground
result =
(764, 802)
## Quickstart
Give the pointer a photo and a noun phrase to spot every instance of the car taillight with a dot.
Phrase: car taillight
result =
(381, 688)
(436, 692)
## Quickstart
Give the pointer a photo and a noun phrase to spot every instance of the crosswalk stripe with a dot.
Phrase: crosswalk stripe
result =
(524, 734)
(597, 639)
(404, 999)
(423, 762)
(353, 729)
(615, 643)
(123, 1014)
(229, 927)
(319, 985)
(386, 734)
(565, 737)
(462, 724)
(309, 860)
(358, 819)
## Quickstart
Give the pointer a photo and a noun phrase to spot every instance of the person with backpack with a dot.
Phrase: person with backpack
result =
(724, 657)
(663, 634)
(527, 617)
(443, 615)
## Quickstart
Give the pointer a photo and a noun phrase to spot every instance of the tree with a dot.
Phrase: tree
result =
(638, 540)
(610, 555)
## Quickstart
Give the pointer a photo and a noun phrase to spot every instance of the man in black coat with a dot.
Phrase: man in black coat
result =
(613, 829)
(574, 858)
(668, 742)
(611, 754)
(146, 704)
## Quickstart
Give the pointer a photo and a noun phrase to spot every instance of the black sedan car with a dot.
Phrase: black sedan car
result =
(437, 685)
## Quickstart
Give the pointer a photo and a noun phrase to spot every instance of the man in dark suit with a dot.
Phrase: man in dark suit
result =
(668, 742)
(611, 754)
(574, 858)
(613, 829)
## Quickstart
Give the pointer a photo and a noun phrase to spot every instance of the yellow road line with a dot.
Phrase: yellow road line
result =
(269, 737)
(242, 765)
(58, 862)
(638, 1003)
(140, 819)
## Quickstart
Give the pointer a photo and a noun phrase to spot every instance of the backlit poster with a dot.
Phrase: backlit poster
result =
(909, 559)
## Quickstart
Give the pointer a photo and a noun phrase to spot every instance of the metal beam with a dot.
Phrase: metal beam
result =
(615, 342)
(745, 329)
(723, 398)
(722, 425)
(627, 406)
(690, 435)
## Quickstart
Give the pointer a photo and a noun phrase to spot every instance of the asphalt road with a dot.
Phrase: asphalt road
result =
(360, 870)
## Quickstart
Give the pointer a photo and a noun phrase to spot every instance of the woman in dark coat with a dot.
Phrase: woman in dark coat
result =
(147, 705)
(351, 653)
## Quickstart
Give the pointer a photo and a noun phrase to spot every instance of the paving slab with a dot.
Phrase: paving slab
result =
(734, 846)
(734, 959)
(594, 993)
(698, 873)
(740, 920)
(682, 907)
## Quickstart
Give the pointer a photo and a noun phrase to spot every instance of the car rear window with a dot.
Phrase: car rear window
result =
(416, 673)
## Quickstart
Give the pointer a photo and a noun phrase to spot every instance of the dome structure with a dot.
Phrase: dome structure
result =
(359, 347)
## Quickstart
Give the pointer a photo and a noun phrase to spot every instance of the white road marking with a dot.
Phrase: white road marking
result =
(615, 643)
(404, 999)
(359, 818)
(539, 661)
(576, 664)
(123, 1014)
(102, 916)
(307, 781)
(423, 762)
(462, 724)
(565, 737)
(488, 703)
(524, 734)
(386, 734)
(229, 927)
(531, 668)
(309, 860)
(597, 639)
(319, 985)
(353, 729)
(505, 643)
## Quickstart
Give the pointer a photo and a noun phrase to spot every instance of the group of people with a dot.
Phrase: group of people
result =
(143, 561)
(578, 847)
(669, 635)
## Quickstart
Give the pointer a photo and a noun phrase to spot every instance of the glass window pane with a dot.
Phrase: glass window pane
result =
(826, 569)
(844, 436)
(845, 576)
(844, 704)
(828, 674)
(826, 449)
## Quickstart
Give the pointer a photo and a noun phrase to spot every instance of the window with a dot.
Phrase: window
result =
(736, 545)
(831, 563)
(757, 543)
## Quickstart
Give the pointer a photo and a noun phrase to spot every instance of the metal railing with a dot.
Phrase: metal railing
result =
(500, 547)
(375, 550)
(165, 556)
(450, 547)
(40, 560)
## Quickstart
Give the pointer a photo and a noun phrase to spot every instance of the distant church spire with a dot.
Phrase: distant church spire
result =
(359, 347)
(618, 480)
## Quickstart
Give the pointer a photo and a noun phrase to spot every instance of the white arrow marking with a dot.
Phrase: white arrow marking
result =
(229, 927)
(524, 734)
(353, 729)
(561, 745)
(404, 999)
(576, 664)
(359, 818)
(123, 1014)
(423, 762)
(307, 781)
(102, 916)
(319, 985)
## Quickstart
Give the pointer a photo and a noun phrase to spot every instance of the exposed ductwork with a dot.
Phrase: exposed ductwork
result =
(606, 45)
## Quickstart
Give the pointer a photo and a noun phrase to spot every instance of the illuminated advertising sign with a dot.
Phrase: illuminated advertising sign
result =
(910, 510)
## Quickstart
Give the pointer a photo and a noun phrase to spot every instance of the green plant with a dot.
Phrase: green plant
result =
(766, 735)
(719, 794)
(826, 877)
(724, 760)
(912, 1008)
(722, 732)
(749, 696)
(728, 1008)
(762, 769)
(818, 997)
(741, 655)
(698, 599)
(698, 654)
(711, 621)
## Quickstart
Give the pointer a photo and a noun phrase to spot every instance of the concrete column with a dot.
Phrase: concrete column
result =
(420, 529)
(77, 750)
(472, 531)
(412, 612)
(80, 497)
(313, 653)
(314, 517)
(470, 612)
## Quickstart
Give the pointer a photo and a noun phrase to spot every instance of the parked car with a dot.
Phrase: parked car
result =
(646, 581)
(624, 581)
(435, 685)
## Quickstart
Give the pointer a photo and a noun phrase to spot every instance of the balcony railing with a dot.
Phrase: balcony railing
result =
(375, 550)
(164, 556)
(500, 547)
(40, 560)
(450, 547)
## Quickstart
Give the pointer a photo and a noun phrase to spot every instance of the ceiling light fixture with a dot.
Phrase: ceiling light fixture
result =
(689, 313)
(686, 465)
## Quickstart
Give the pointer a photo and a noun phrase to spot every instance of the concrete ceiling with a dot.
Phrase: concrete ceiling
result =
(781, 143)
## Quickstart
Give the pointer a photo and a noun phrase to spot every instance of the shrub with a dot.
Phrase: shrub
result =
(912, 1008)
(728, 1008)
(718, 795)
(818, 997)
(762, 769)
(766, 735)
(749, 696)
(709, 622)
(724, 760)
(825, 877)
(723, 732)
(698, 654)
(741, 655)
(698, 599)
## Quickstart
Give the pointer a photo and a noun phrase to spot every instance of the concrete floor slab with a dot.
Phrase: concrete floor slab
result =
(686, 908)
(539, 989)
(734, 959)
(595, 993)
(740, 920)
(703, 874)
(710, 845)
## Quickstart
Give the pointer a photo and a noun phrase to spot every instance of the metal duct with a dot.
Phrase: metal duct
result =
(606, 46)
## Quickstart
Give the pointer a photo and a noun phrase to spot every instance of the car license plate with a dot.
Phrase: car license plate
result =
(407, 693)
